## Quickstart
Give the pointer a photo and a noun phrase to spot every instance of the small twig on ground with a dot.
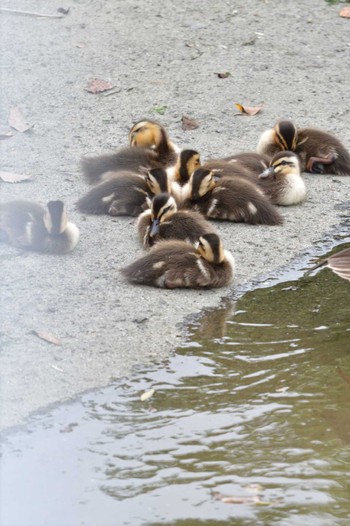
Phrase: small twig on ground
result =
(29, 13)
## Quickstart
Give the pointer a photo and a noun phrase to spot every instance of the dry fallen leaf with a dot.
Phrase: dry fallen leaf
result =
(97, 86)
(17, 121)
(48, 337)
(345, 12)
(9, 177)
(188, 123)
(224, 75)
(247, 110)
(146, 395)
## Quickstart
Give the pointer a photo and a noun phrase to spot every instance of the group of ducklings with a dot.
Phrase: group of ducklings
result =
(173, 194)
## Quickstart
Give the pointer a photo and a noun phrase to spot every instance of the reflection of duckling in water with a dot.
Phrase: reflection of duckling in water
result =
(319, 151)
(164, 221)
(177, 264)
(124, 193)
(213, 323)
(29, 225)
(282, 181)
(150, 147)
(229, 198)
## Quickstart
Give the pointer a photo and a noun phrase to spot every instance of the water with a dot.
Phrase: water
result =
(249, 424)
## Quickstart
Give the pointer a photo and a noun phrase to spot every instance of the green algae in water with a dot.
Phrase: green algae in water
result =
(255, 408)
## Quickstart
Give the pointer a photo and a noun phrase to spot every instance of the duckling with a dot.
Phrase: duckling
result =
(229, 198)
(150, 147)
(173, 264)
(282, 181)
(124, 193)
(339, 263)
(164, 221)
(188, 161)
(319, 151)
(253, 162)
(28, 225)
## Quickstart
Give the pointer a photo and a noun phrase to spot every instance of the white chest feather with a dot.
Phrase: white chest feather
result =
(294, 191)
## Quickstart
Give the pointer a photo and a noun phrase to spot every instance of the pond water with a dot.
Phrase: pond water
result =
(249, 424)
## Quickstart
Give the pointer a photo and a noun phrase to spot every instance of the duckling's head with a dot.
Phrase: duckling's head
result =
(286, 135)
(55, 218)
(162, 209)
(282, 164)
(210, 247)
(157, 180)
(188, 162)
(202, 181)
(147, 134)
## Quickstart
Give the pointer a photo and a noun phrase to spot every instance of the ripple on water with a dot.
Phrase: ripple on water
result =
(249, 424)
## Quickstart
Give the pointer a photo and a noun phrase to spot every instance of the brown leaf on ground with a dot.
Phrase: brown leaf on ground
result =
(9, 177)
(17, 121)
(345, 12)
(98, 86)
(188, 123)
(48, 337)
(224, 75)
(248, 110)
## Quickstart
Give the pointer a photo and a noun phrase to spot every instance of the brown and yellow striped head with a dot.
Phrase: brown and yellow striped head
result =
(55, 218)
(201, 182)
(286, 135)
(210, 247)
(157, 180)
(188, 162)
(283, 163)
(147, 134)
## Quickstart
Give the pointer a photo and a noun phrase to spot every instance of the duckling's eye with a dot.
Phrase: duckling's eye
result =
(284, 163)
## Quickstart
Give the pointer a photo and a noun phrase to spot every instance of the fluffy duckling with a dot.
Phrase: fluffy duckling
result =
(319, 151)
(253, 162)
(177, 264)
(164, 221)
(29, 225)
(282, 181)
(124, 193)
(188, 161)
(150, 147)
(338, 262)
(229, 198)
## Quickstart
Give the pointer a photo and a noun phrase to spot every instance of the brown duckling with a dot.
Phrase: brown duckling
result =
(338, 262)
(319, 151)
(124, 193)
(176, 264)
(253, 162)
(282, 181)
(150, 147)
(164, 221)
(229, 198)
(188, 161)
(28, 225)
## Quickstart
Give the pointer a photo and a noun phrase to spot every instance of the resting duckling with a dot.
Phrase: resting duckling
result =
(177, 264)
(319, 151)
(29, 225)
(164, 221)
(253, 162)
(282, 181)
(150, 147)
(188, 161)
(124, 193)
(229, 198)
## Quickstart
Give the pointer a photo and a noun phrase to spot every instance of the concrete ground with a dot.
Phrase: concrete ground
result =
(160, 56)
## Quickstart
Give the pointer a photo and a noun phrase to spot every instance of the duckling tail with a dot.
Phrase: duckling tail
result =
(131, 159)
(263, 212)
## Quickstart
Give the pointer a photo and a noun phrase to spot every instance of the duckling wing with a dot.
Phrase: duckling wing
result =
(17, 219)
(340, 263)
(133, 159)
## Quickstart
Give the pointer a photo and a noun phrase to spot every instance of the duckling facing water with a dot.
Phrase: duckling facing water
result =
(176, 264)
(125, 193)
(229, 198)
(164, 221)
(319, 151)
(150, 147)
(29, 225)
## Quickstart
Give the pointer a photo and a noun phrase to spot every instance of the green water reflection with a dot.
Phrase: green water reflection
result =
(255, 407)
